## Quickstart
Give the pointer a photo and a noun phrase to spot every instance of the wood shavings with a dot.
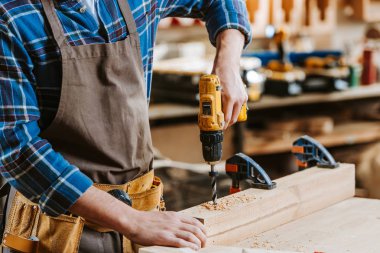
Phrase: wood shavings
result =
(262, 244)
(228, 202)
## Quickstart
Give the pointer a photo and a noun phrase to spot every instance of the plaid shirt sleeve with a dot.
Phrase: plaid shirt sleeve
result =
(27, 161)
(219, 15)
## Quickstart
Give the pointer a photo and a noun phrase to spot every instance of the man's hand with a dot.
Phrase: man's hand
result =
(166, 229)
(145, 228)
(229, 45)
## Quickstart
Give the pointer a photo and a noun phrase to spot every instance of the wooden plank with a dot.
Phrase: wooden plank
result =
(219, 249)
(314, 125)
(259, 143)
(349, 226)
(255, 211)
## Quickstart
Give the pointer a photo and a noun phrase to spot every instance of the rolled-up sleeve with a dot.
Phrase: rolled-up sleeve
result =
(28, 162)
(218, 15)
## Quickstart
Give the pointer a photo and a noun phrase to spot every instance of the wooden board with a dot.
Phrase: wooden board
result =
(257, 143)
(349, 226)
(255, 211)
(314, 125)
(156, 249)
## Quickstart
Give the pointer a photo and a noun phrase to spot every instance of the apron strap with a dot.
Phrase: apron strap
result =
(59, 34)
(55, 24)
(129, 19)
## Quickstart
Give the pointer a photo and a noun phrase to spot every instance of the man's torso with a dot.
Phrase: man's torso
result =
(25, 18)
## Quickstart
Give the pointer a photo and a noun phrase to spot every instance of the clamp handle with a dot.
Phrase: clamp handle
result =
(242, 167)
(309, 152)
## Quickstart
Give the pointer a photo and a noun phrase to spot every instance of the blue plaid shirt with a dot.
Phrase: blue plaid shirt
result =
(30, 77)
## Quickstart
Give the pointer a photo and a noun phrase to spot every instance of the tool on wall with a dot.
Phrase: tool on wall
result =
(211, 124)
(307, 13)
(242, 167)
(328, 73)
(309, 152)
(271, 13)
(322, 6)
(252, 8)
(283, 79)
(287, 7)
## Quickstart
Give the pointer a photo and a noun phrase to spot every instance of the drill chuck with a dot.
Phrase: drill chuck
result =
(212, 145)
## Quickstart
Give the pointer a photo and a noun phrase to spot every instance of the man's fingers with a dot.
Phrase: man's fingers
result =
(193, 221)
(228, 107)
(197, 232)
(190, 238)
(181, 243)
(196, 227)
(235, 113)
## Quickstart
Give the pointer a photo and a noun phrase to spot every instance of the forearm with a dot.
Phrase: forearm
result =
(144, 228)
(230, 44)
(229, 47)
(104, 210)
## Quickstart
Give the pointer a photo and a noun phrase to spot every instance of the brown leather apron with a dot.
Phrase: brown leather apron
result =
(102, 123)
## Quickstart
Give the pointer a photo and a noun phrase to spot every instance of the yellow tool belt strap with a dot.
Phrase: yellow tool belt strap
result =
(145, 192)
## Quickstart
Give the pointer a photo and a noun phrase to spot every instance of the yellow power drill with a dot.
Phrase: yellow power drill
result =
(211, 124)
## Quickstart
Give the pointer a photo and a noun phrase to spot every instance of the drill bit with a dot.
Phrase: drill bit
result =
(213, 175)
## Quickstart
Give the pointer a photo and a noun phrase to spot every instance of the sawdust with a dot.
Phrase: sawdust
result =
(228, 202)
(257, 243)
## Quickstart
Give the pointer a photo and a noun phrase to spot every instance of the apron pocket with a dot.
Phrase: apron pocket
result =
(27, 225)
(21, 218)
(60, 234)
(149, 200)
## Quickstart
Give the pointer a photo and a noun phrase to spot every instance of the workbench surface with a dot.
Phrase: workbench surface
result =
(351, 226)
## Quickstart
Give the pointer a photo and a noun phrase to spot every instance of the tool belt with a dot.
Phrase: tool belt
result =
(29, 230)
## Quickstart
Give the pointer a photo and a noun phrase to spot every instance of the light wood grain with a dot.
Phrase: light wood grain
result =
(349, 226)
(156, 249)
(260, 143)
(315, 125)
(296, 196)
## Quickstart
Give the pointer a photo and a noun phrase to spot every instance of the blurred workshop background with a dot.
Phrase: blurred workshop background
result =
(313, 68)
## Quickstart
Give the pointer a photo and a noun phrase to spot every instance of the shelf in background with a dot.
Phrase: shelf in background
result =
(313, 98)
(257, 143)
(171, 110)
